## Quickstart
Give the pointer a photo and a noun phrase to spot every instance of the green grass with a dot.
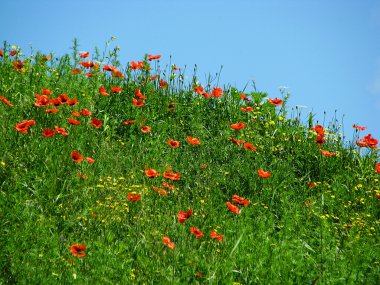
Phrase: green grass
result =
(290, 233)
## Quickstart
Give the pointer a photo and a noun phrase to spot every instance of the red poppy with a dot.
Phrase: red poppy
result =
(238, 142)
(183, 216)
(249, 146)
(103, 91)
(72, 102)
(13, 52)
(312, 184)
(247, 109)
(240, 200)
(245, 98)
(172, 143)
(85, 112)
(198, 90)
(130, 122)
(1, 53)
(76, 156)
(116, 89)
(73, 121)
(214, 235)
(163, 84)
(320, 140)
(238, 126)
(275, 101)
(75, 114)
(170, 174)
(52, 111)
(327, 153)
(145, 129)
(152, 57)
(45, 91)
(78, 250)
(87, 64)
(90, 159)
(193, 141)
(84, 54)
(135, 66)
(377, 167)
(133, 197)
(96, 123)
(41, 100)
(217, 92)
(160, 191)
(18, 65)
(55, 102)
(233, 208)
(360, 128)
(76, 71)
(47, 133)
(23, 127)
(206, 95)
(61, 131)
(109, 68)
(137, 102)
(368, 141)
(2, 98)
(319, 129)
(263, 174)
(139, 94)
(170, 186)
(63, 98)
(168, 242)
(197, 232)
(151, 173)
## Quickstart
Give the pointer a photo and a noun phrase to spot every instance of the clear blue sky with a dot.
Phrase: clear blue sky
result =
(326, 52)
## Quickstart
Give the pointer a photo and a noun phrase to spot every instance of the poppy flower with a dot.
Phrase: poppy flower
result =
(197, 232)
(171, 175)
(247, 109)
(198, 90)
(76, 156)
(217, 92)
(206, 95)
(368, 141)
(130, 122)
(240, 200)
(377, 167)
(84, 54)
(17, 65)
(109, 68)
(168, 242)
(96, 123)
(245, 98)
(249, 146)
(214, 235)
(63, 98)
(73, 121)
(359, 128)
(23, 127)
(41, 100)
(312, 184)
(263, 174)
(45, 91)
(87, 64)
(183, 216)
(2, 98)
(145, 129)
(136, 65)
(163, 84)
(327, 153)
(52, 111)
(116, 89)
(152, 57)
(193, 141)
(75, 114)
(133, 197)
(233, 208)
(170, 186)
(238, 142)
(320, 140)
(90, 160)
(103, 91)
(238, 126)
(61, 131)
(47, 133)
(275, 101)
(172, 143)
(139, 94)
(319, 129)
(137, 102)
(160, 191)
(85, 112)
(78, 250)
(151, 173)
(13, 52)
(55, 102)
(1, 53)
(72, 102)
(76, 71)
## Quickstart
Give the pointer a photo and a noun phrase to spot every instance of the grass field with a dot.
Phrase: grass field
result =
(133, 174)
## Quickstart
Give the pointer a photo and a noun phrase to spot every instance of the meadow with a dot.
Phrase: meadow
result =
(113, 174)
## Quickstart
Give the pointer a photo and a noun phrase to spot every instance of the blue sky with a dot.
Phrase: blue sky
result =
(326, 52)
